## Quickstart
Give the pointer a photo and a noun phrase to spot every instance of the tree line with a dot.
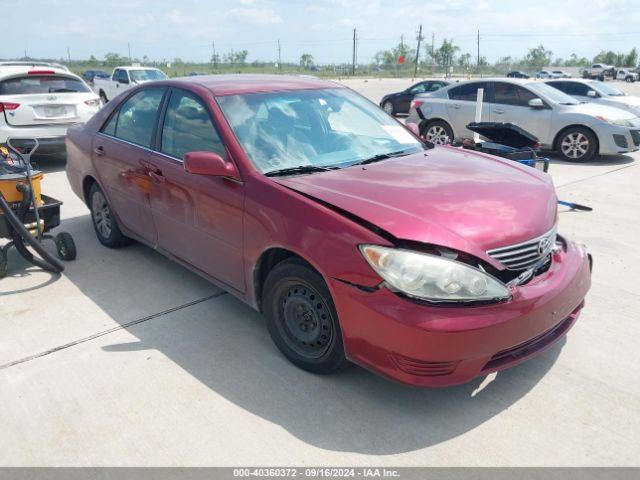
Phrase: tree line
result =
(448, 55)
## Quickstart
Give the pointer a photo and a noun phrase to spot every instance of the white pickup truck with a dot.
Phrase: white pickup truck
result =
(598, 71)
(124, 78)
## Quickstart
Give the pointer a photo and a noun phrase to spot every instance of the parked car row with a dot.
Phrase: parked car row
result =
(576, 118)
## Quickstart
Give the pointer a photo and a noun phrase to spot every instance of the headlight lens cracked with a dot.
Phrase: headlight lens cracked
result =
(433, 278)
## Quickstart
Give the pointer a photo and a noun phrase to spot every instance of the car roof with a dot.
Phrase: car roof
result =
(522, 81)
(13, 70)
(221, 85)
(573, 80)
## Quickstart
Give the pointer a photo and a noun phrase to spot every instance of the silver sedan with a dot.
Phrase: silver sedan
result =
(577, 131)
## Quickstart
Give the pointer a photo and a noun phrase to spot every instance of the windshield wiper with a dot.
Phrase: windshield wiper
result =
(381, 156)
(299, 170)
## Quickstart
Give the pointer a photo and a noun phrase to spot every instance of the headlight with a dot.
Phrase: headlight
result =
(433, 278)
(616, 121)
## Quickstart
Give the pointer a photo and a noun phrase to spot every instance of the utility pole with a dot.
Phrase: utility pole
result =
(415, 70)
(68, 56)
(353, 65)
(213, 54)
(129, 48)
(279, 56)
(478, 64)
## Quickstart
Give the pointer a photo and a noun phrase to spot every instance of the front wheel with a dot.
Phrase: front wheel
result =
(438, 132)
(302, 319)
(104, 222)
(577, 144)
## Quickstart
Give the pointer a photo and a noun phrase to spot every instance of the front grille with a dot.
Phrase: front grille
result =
(635, 135)
(525, 255)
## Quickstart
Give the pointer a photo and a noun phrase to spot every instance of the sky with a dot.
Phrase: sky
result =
(166, 29)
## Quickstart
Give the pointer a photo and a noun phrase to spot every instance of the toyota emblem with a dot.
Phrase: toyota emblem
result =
(543, 246)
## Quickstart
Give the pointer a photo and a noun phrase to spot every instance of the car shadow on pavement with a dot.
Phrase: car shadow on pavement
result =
(224, 344)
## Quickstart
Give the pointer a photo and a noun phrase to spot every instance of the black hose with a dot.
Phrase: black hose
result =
(21, 235)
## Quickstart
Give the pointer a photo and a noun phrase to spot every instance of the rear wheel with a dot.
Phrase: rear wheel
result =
(389, 108)
(577, 144)
(438, 132)
(302, 319)
(104, 222)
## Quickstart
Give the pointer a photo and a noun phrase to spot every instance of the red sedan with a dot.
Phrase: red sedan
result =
(357, 241)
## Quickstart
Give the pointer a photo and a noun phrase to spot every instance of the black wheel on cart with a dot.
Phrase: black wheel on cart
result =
(65, 246)
(3, 263)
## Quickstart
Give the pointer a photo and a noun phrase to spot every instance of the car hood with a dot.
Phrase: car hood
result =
(626, 101)
(446, 196)
(599, 110)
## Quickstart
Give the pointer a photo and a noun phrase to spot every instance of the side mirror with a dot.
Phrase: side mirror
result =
(592, 94)
(536, 103)
(209, 163)
(413, 128)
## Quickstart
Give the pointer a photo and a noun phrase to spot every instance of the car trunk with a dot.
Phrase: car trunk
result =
(41, 109)
(42, 98)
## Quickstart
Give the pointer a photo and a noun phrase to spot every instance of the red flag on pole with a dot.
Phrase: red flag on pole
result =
(400, 59)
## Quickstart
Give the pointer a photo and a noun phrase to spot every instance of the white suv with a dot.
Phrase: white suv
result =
(42, 102)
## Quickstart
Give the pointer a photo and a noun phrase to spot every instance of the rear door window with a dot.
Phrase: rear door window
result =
(137, 117)
(33, 84)
(468, 92)
(188, 127)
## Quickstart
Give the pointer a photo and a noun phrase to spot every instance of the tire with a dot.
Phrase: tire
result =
(103, 98)
(629, 79)
(437, 132)
(389, 108)
(576, 144)
(104, 222)
(302, 319)
(66, 247)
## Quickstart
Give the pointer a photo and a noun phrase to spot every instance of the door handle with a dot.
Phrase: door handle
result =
(99, 150)
(498, 111)
(456, 106)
